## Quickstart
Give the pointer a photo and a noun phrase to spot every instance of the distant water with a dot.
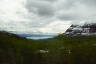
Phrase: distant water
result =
(37, 36)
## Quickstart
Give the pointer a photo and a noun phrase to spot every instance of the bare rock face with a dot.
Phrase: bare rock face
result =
(82, 30)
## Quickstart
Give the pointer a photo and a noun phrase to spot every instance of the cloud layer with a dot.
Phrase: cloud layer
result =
(44, 16)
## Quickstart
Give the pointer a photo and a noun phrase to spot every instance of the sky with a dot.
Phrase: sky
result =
(44, 16)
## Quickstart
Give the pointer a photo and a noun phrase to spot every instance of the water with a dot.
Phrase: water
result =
(37, 36)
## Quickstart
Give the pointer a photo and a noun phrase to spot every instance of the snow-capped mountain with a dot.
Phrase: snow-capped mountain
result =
(83, 30)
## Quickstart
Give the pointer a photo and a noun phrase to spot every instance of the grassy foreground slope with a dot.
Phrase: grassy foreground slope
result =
(58, 50)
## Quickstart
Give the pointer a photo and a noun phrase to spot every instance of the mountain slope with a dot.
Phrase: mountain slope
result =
(61, 49)
(83, 30)
(14, 49)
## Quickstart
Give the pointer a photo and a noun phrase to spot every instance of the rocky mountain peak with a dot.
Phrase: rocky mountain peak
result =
(83, 30)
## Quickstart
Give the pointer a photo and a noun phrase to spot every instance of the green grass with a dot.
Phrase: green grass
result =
(61, 49)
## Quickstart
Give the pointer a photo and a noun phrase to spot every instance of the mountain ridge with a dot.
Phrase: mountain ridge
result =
(82, 30)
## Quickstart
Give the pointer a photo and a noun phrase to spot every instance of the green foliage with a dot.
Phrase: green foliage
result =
(61, 49)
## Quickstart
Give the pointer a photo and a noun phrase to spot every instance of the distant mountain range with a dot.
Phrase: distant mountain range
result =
(82, 30)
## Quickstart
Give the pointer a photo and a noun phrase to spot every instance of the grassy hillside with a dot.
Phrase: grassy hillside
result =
(58, 50)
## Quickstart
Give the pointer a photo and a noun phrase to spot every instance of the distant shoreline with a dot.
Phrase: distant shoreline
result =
(37, 36)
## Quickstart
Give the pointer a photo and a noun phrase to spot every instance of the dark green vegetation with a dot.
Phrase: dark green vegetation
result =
(58, 50)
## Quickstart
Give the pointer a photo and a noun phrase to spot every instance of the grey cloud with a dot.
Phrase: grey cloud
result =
(45, 8)
(73, 10)
(89, 2)
(79, 9)
(67, 11)
(40, 8)
(68, 17)
(49, 0)
(66, 4)
(46, 11)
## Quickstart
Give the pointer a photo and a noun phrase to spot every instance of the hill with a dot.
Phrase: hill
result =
(61, 49)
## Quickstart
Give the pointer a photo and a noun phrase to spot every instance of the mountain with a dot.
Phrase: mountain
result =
(9, 35)
(82, 30)
(61, 49)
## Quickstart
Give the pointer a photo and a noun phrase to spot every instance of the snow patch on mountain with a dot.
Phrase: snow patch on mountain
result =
(83, 30)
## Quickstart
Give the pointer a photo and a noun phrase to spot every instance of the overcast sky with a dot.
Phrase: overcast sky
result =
(45, 16)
